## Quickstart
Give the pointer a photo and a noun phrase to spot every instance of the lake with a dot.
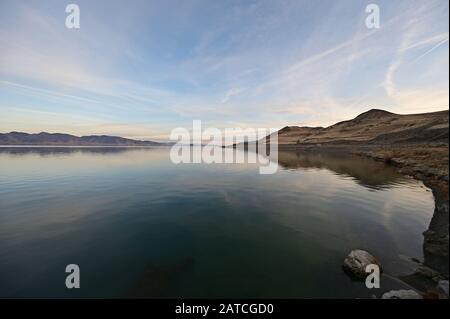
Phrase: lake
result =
(139, 226)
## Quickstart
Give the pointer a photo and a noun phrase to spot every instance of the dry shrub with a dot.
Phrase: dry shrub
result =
(443, 189)
(388, 156)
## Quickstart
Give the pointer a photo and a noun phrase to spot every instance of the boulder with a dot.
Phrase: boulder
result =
(442, 289)
(357, 261)
(401, 294)
(427, 272)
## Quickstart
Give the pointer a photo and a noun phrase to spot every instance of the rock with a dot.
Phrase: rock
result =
(357, 261)
(401, 294)
(442, 289)
(426, 272)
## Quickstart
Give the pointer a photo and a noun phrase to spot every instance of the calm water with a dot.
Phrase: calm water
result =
(138, 225)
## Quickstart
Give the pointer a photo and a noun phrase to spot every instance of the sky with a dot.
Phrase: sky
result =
(139, 69)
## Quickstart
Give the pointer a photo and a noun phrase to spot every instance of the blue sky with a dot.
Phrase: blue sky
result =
(140, 68)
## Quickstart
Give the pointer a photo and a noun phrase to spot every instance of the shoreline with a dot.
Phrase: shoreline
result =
(428, 164)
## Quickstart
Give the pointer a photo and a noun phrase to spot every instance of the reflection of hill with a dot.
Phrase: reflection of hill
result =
(366, 172)
(378, 175)
(44, 151)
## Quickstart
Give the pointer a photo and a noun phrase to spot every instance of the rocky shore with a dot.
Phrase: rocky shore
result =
(413, 144)
(429, 164)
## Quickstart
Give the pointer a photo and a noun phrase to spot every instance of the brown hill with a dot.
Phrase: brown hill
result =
(374, 127)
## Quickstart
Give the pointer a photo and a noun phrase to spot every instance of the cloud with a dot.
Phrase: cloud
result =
(431, 50)
(419, 95)
(229, 94)
(420, 100)
(271, 64)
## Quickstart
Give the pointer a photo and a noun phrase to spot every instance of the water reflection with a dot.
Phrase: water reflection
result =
(365, 171)
(139, 225)
(64, 150)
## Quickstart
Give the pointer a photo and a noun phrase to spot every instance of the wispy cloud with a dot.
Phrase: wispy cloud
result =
(140, 70)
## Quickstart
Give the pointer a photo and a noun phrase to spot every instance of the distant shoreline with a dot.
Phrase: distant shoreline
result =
(63, 139)
(87, 146)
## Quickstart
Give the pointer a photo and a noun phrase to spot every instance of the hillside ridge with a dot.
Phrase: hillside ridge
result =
(63, 139)
(373, 126)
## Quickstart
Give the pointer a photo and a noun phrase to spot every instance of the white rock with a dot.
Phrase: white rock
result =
(401, 294)
(357, 261)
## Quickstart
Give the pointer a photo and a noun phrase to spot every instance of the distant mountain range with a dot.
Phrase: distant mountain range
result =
(59, 139)
(373, 127)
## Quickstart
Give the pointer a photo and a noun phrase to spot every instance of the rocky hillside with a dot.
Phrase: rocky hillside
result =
(18, 138)
(374, 127)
